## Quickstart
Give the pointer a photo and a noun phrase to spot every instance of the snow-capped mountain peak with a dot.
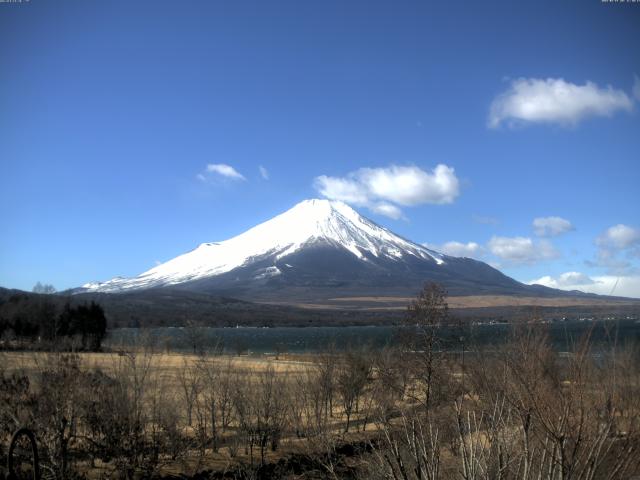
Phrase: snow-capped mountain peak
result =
(307, 223)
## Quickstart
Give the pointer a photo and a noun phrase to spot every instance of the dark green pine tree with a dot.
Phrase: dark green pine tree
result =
(63, 327)
(97, 325)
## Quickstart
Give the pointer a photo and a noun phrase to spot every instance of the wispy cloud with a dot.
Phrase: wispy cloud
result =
(264, 173)
(521, 250)
(551, 226)
(383, 190)
(554, 100)
(224, 170)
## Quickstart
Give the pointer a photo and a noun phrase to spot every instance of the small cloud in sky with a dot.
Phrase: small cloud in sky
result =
(551, 226)
(625, 286)
(224, 170)
(554, 100)
(264, 173)
(521, 250)
(612, 262)
(459, 249)
(619, 237)
(616, 245)
(383, 190)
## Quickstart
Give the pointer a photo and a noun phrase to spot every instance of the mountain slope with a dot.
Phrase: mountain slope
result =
(318, 249)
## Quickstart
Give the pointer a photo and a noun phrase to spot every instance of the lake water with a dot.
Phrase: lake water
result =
(315, 339)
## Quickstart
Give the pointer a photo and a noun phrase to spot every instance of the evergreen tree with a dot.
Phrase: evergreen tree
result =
(97, 325)
(64, 321)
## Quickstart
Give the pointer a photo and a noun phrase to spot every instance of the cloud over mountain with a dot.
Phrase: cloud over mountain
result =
(521, 250)
(565, 280)
(384, 190)
(626, 286)
(459, 249)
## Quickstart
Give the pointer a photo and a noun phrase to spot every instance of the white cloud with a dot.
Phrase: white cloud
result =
(346, 190)
(459, 249)
(387, 209)
(574, 278)
(521, 250)
(551, 226)
(567, 279)
(380, 189)
(554, 100)
(264, 173)
(619, 237)
(615, 242)
(624, 286)
(412, 185)
(225, 170)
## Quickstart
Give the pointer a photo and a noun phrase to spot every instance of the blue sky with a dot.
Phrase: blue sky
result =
(111, 112)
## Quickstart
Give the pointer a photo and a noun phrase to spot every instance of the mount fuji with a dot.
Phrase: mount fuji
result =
(319, 249)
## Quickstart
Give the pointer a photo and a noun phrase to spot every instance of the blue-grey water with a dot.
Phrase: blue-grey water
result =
(563, 334)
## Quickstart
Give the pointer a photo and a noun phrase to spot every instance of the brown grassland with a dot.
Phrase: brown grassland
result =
(390, 303)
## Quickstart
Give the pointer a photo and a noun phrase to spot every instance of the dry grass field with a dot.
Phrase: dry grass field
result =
(179, 383)
(393, 303)
(480, 301)
(170, 364)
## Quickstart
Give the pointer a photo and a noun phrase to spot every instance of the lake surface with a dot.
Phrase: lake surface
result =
(248, 340)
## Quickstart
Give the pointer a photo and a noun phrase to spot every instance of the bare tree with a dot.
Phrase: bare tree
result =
(194, 336)
(326, 367)
(550, 418)
(426, 314)
(409, 450)
(133, 372)
(216, 390)
(271, 409)
(58, 409)
(188, 378)
(352, 377)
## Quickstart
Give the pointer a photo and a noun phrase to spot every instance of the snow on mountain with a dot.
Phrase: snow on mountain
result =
(307, 223)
